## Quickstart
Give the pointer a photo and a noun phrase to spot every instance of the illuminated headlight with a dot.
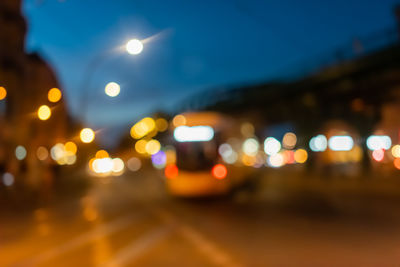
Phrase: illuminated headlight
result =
(193, 134)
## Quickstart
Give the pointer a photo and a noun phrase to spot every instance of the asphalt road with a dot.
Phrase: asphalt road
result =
(131, 221)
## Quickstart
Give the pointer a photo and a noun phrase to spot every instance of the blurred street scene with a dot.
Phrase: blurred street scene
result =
(129, 142)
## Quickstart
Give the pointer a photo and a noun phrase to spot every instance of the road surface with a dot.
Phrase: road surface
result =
(131, 221)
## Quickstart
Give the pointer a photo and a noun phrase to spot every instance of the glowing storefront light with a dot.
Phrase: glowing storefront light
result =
(376, 142)
(193, 134)
(340, 143)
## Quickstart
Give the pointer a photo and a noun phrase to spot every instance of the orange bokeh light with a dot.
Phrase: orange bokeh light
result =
(396, 163)
(171, 171)
(219, 171)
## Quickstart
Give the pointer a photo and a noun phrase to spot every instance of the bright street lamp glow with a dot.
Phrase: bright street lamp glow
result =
(87, 135)
(134, 47)
(112, 89)
(44, 112)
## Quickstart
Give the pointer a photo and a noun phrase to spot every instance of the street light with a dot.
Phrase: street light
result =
(134, 47)
(112, 89)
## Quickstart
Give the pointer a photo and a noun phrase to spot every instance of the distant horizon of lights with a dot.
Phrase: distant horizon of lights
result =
(318, 143)
(340, 143)
(272, 146)
(193, 134)
(376, 142)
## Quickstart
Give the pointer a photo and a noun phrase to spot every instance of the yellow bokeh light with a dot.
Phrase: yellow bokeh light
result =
(3, 92)
(396, 151)
(161, 124)
(102, 154)
(71, 147)
(87, 135)
(140, 146)
(44, 112)
(54, 95)
(142, 128)
(300, 156)
(153, 146)
(179, 120)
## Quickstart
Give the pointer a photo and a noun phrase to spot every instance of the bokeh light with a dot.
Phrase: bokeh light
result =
(112, 89)
(153, 146)
(42, 153)
(102, 154)
(20, 152)
(54, 95)
(219, 171)
(396, 163)
(171, 171)
(376, 142)
(300, 155)
(276, 160)
(134, 164)
(8, 179)
(250, 147)
(378, 154)
(318, 143)
(44, 112)
(134, 47)
(87, 135)
(271, 146)
(161, 124)
(3, 92)
(341, 143)
(142, 128)
(118, 166)
(289, 140)
(396, 151)
(159, 159)
(71, 147)
(179, 120)
(140, 146)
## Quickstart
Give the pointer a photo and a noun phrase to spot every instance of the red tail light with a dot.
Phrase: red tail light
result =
(219, 171)
(171, 171)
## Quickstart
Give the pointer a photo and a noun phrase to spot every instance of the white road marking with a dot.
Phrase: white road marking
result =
(98, 232)
(138, 247)
(208, 248)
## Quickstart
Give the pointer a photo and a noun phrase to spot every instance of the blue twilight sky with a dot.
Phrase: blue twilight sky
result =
(196, 44)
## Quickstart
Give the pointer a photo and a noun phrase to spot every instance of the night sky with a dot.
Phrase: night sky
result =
(194, 45)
